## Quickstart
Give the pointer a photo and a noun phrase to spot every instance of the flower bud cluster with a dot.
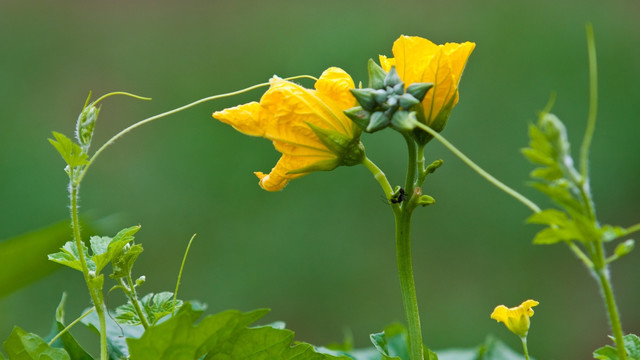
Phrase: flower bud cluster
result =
(86, 123)
(386, 102)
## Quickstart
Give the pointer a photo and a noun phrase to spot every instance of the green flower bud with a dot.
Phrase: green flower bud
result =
(426, 200)
(407, 101)
(392, 79)
(365, 98)
(403, 121)
(85, 125)
(419, 90)
(380, 96)
(359, 116)
(379, 121)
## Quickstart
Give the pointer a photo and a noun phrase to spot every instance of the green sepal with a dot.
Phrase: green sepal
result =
(27, 346)
(403, 121)
(71, 152)
(376, 75)
(365, 98)
(379, 120)
(419, 90)
(349, 150)
(359, 116)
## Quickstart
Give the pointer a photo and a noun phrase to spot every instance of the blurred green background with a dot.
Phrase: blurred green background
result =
(320, 253)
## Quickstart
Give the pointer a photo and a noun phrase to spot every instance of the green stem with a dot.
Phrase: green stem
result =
(479, 170)
(632, 229)
(422, 171)
(410, 181)
(95, 294)
(184, 260)
(379, 176)
(524, 347)
(407, 284)
(70, 326)
(602, 275)
(130, 290)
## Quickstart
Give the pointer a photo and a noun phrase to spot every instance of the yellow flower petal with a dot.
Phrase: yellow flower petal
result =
(517, 318)
(419, 60)
(286, 114)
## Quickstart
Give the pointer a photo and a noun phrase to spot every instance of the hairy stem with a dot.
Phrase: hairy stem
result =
(130, 290)
(95, 293)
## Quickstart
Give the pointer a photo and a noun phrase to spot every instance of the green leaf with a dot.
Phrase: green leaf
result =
(124, 259)
(179, 337)
(631, 344)
(70, 256)
(26, 346)
(21, 256)
(66, 340)
(155, 307)
(494, 349)
(266, 343)
(71, 152)
(105, 248)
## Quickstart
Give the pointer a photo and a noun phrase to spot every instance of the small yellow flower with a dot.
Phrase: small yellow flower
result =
(419, 60)
(307, 126)
(516, 319)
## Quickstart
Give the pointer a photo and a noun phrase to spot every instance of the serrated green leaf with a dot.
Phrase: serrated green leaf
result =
(632, 344)
(26, 346)
(180, 335)
(105, 248)
(607, 352)
(154, 307)
(69, 256)
(266, 343)
(71, 152)
(124, 259)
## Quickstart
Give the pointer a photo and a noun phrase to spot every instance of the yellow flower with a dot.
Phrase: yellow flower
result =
(516, 319)
(307, 126)
(419, 60)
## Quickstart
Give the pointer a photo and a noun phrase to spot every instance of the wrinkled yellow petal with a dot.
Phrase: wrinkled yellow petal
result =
(386, 63)
(244, 118)
(286, 114)
(516, 319)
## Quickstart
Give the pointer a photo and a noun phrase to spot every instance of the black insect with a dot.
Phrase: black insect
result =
(398, 196)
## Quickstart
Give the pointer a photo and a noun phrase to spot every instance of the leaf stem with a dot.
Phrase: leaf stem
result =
(380, 177)
(593, 103)
(528, 203)
(184, 259)
(632, 229)
(72, 324)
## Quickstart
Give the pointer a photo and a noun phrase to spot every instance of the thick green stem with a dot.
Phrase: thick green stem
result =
(407, 284)
(96, 297)
(602, 275)
(379, 176)
(410, 181)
